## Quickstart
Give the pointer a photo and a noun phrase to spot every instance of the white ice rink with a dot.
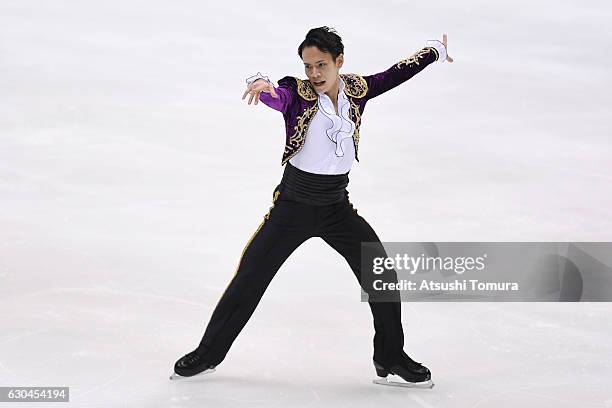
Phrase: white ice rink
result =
(132, 175)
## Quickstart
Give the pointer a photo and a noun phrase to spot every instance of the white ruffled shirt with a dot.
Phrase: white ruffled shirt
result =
(329, 147)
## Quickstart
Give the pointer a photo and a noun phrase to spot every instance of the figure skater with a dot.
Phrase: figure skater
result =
(322, 121)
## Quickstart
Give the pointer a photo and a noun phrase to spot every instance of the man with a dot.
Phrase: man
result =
(322, 121)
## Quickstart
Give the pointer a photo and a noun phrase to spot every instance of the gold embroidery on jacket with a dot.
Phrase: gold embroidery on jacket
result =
(356, 116)
(414, 58)
(297, 140)
(306, 90)
(356, 86)
(435, 52)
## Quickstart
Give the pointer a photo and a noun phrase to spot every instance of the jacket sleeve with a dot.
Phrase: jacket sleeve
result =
(285, 92)
(400, 72)
(282, 103)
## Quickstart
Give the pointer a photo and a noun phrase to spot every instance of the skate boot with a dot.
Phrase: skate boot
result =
(411, 374)
(414, 366)
(191, 364)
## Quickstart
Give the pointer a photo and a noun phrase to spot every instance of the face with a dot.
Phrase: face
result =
(321, 69)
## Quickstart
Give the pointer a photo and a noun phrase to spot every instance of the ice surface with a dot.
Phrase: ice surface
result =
(132, 175)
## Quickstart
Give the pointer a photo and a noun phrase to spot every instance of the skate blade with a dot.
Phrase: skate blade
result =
(401, 383)
(175, 376)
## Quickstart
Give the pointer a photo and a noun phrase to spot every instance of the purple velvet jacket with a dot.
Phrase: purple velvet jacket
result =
(297, 99)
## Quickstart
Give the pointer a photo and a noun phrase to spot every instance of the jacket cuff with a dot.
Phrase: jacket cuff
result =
(439, 47)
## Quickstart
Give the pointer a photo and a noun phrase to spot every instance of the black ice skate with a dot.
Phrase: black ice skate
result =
(191, 364)
(413, 365)
(411, 374)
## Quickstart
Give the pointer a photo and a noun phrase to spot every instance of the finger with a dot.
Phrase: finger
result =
(444, 39)
(273, 92)
(257, 97)
(247, 91)
(252, 94)
(449, 59)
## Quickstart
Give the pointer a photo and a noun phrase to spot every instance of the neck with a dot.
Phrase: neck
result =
(333, 92)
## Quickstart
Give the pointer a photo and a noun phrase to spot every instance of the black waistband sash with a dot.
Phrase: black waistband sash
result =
(313, 189)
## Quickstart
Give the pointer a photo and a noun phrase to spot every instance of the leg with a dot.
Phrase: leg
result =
(345, 234)
(272, 243)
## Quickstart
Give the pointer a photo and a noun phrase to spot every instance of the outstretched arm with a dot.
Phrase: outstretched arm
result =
(407, 68)
(259, 88)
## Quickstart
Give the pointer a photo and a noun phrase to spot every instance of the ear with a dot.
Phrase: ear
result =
(340, 60)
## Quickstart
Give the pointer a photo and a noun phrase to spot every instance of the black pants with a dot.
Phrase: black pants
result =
(285, 227)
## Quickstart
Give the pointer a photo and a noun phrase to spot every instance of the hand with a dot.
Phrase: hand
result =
(256, 88)
(444, 41)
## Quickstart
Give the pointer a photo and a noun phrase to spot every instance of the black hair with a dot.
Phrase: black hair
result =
(325, 39)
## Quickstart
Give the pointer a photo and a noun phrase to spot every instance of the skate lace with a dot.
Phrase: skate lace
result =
(192, 357)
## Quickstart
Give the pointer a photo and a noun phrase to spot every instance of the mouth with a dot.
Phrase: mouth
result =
(318, 84)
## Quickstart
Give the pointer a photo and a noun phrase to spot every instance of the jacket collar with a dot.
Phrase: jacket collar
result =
(353, 85)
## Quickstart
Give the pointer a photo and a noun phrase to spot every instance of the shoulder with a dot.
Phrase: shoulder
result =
(302, 88)
(356, 85)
